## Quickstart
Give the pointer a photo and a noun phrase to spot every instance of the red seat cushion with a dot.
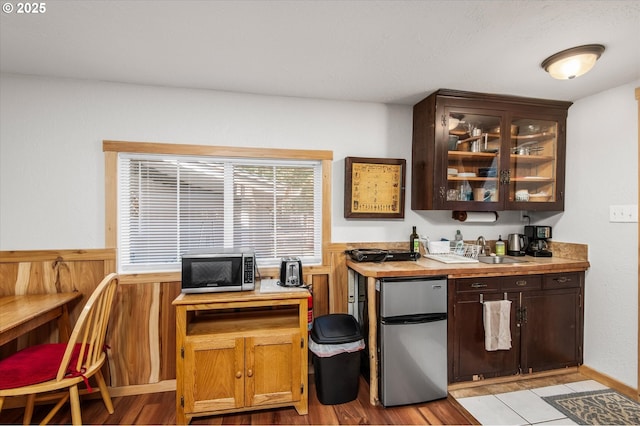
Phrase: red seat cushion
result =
(35, 364)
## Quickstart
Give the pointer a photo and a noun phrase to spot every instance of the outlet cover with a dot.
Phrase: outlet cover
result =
(623, 213)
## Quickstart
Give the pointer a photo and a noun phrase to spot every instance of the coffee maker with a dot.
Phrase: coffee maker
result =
(537, 237)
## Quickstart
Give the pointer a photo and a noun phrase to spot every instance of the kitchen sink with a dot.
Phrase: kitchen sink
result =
(501, 260)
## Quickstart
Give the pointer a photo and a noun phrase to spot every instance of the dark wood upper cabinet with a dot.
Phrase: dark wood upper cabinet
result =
(484, 152)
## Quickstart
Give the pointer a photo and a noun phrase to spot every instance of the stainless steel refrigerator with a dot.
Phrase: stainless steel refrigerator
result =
(413, 339)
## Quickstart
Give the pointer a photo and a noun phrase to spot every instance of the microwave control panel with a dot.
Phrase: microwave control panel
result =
(248, 269)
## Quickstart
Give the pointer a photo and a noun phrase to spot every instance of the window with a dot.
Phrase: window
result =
(171, 204)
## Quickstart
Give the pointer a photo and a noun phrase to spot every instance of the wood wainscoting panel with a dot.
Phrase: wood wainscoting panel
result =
(338, 288)
(54, 275)
(54, 271)
(320, 289)
(143, 334)
(167, 327)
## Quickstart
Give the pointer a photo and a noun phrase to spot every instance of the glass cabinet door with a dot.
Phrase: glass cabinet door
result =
(474, 145)
(533, 161)
(483, 152)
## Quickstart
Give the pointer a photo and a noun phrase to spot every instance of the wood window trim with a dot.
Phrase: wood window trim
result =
(113, 148)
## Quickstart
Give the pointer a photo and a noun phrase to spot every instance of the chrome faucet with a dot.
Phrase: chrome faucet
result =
(482, 243)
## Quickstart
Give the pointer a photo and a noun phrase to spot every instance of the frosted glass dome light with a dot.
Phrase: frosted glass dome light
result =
(574, 62)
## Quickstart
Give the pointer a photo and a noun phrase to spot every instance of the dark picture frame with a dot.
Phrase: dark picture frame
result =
(374, 188)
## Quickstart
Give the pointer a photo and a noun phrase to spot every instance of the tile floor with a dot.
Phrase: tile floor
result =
(524, 407)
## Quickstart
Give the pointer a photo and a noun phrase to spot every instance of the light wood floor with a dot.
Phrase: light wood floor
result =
(158, 408)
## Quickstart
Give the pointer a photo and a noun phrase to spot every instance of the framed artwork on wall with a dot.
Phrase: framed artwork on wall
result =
(374, 188)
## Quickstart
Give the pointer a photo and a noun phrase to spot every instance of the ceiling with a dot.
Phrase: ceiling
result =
(372, 51)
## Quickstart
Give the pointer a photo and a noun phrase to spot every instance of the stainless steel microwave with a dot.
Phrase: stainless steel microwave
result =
(218, 270)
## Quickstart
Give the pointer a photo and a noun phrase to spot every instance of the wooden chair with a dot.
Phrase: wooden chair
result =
(36, 371)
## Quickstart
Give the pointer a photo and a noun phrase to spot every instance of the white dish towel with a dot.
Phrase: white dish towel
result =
(497, 328)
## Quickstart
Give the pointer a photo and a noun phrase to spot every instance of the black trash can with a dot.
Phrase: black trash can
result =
(336, 342)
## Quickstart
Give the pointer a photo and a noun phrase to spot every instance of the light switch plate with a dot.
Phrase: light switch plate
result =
(623, 213)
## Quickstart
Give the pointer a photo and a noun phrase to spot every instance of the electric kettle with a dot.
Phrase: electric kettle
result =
(516, 244)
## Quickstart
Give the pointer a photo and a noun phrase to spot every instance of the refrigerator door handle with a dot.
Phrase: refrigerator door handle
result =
(415, 319)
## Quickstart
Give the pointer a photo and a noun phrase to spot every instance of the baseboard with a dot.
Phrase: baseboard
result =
(164, 386)
(583, 369)
(610, 382)
(170, 385)
(514, 378)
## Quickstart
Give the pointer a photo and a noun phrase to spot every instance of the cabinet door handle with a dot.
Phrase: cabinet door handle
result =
(478, 285)
(249, 373)
(563, 279)
(505, 176)
(521, 283)
(238, 374)
(521, 316)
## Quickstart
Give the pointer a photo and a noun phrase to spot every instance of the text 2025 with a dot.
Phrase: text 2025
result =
(31, 7)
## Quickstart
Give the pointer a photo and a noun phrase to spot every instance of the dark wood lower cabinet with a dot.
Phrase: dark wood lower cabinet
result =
(552, 332)
(470, 360)
(546, 325)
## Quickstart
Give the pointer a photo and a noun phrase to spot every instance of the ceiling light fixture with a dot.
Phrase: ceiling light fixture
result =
(574, 62)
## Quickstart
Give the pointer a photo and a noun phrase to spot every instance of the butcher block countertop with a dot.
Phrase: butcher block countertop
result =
(427, 267)
(567, 258)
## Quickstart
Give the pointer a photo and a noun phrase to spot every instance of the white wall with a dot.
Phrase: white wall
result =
(52, 174)
(51, 160)
(602, 170)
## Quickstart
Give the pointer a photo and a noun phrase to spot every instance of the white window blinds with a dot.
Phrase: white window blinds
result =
(169, 205)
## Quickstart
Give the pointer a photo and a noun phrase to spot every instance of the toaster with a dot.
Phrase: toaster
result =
(291, 272)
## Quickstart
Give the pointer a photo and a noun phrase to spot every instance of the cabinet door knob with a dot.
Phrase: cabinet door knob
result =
(249, 373)
(238, 374)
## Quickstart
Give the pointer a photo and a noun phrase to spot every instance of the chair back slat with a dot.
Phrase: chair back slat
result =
(90, 330)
